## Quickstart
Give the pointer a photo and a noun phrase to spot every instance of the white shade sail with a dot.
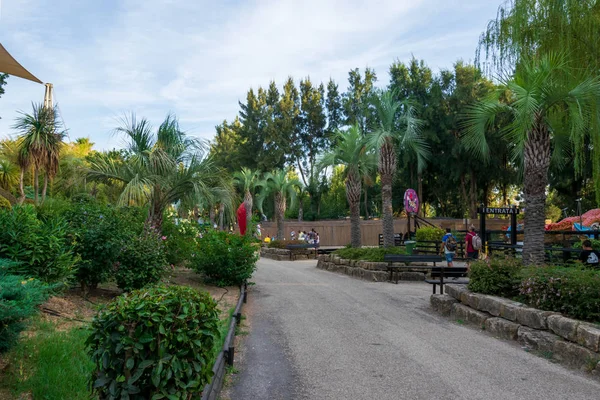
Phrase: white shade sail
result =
(9, 65)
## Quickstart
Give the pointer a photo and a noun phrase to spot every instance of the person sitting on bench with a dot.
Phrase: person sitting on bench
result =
(589, 256)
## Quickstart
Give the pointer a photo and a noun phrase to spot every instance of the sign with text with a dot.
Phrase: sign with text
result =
(498, 210)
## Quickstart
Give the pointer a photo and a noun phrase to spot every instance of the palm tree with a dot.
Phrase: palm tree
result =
(247, 181)
(40, 142)
(397, 123)
(548, 109)
(351, 151)
(159, 168)
(278, 184)
(300, 197)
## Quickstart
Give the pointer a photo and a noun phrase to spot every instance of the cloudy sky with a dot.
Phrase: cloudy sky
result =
(197, 58)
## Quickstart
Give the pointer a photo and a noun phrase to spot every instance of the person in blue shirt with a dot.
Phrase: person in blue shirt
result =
(449, 245)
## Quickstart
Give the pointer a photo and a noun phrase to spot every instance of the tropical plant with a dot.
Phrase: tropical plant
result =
(154, 343)
(549, 110)
(301, 196)
(281, 187)
(159, 168)
(352, 152)
(247, 181)
(397, 123)
(39, 145)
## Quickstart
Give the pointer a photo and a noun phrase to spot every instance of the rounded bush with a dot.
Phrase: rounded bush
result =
(4, 203)
(226, 258)
(496, 276)
(141, 262)
(154, 343)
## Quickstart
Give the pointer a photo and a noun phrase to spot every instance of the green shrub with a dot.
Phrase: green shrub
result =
(430, 234)
(41, 245)
(226, 258)
(4, 203)
(19, 298)
(154, 343)
(141, 261)
(595, 244)
(182, 240)
(496, 276)
(368, 253)
(282, 244)
(573, 291)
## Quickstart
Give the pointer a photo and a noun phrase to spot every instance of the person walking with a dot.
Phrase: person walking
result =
(473, 244)
(449, 246)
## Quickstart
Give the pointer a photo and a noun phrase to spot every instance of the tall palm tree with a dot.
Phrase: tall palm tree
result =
(548, 109)
(397, 124)
(352, 152)
(159, 168)
(40, 142)
(247, 181)
(282, 188)
(300, 197)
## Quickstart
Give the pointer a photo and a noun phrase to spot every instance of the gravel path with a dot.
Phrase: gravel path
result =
(319, 335)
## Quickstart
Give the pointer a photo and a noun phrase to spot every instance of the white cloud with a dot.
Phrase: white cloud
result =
(198, 58)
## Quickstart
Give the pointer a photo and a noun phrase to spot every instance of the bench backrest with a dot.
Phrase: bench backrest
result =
(453, 272)
(411, 258)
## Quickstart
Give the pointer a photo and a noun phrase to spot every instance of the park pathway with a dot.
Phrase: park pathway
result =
(319, 335)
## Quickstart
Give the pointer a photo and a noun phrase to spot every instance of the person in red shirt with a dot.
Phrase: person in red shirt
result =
(471, 252)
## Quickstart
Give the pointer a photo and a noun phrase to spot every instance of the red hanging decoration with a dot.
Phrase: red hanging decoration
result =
(241, 216)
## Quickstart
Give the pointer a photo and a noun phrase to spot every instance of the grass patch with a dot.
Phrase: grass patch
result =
(51, 364)
(368, 253)
(223, 328)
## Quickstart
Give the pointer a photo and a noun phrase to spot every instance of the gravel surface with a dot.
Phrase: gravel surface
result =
(320, 335)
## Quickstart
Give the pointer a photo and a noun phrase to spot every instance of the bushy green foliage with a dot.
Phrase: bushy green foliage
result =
(282, 244)
(496, 276)
(142, 261)
(182, 240)
(19, 297)
(226, 258)
(368, 253)
(41, 245)
(595, 244)
(430, 234)
(573, 291)
(53, 364)
(4, 203)
(154, 343)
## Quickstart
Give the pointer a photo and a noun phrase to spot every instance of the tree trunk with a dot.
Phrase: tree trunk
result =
(248, 204)
(300, 210)
(420, 193)
(536, 163)
(463, 188)
(45, 188)
(366, 204)
(36, 185)
(221, 216)
(473, 196)
(211, 215)
(280, 205)
(22, 186)
(387, 167)
(353, 189)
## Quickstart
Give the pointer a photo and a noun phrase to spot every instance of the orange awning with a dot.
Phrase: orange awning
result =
(9, 65)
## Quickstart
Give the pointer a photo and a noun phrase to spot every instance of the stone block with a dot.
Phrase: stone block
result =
(562, 326)
(380, 276)
(412, 276)
(380, 266)
(301, 257)
(358, 273)
(336, 260)
(320, 263)
(535, 339)
(588, 336)
(574, 355)
(508, 310)
(502, 328)
(344, 261)
(348, 270)
(455, 290)
(471, 299)
(442, 303)
(360, 264)
(491, 304)
(532, 317)
(467, 314)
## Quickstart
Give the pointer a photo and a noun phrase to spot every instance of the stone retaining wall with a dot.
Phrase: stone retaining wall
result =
(571, 342)
(284, 254)
(367, 270)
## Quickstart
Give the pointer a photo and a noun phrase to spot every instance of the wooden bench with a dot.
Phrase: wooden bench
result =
(291, 247)
(438, 274)
(405, 258)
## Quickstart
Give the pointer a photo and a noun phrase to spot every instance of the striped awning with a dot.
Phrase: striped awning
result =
(9, 65)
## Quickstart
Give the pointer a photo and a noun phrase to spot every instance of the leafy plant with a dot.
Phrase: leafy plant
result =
(574, 291)
(4, 203)
(495, 276)
(154, 343)
(595, 244)
(141, 261)
(19, 298)
(181, 243)
(367, 254)
(228, 259)
(430, 234)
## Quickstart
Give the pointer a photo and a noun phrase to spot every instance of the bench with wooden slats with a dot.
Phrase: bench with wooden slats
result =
(406, 259)
(440, 275)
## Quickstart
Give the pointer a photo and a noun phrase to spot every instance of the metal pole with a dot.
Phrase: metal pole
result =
(513, 227)
(482, 233)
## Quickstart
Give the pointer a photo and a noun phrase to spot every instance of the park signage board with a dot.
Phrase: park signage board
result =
(499, 210)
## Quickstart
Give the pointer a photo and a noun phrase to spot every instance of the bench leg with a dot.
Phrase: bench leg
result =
(434, 285)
